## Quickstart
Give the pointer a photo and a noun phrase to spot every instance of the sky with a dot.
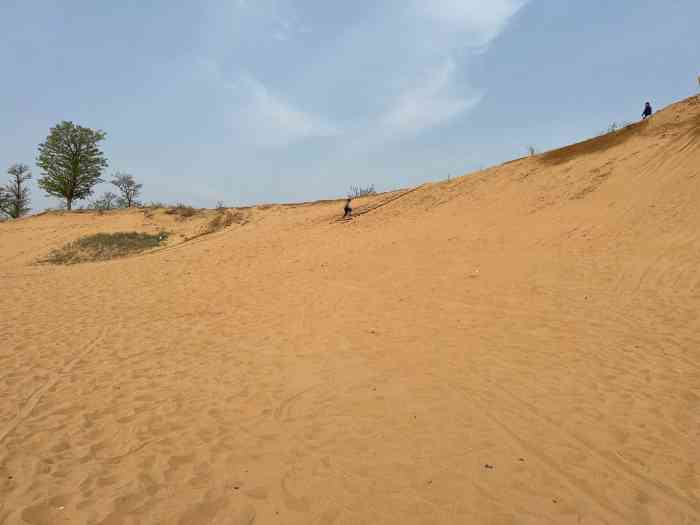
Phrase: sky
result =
(252, 101)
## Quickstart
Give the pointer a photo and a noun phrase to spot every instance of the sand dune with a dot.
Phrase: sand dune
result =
(520, 345)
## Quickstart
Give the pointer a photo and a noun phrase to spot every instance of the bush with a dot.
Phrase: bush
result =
(105, 246)
(183, 211)
(358, 191)
(107, 201)
(613, 127)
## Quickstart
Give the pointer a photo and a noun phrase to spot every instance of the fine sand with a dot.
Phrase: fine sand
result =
(516, 346)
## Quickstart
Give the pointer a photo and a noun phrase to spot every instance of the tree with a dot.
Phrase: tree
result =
(14, 197)
(127, 186)
(72, 162)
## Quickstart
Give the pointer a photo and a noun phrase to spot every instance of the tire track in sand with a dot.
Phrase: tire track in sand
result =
(25, 410)
(621, 468)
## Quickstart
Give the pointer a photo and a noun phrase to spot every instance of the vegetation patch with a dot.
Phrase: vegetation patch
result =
(223, 219)
(182, 211)
(105, 246)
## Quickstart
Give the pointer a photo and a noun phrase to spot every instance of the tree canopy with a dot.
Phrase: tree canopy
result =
(72, 162)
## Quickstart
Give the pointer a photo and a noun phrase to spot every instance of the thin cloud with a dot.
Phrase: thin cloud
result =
(386, 72)
(482, 22)
(427, 104)
(268, 120)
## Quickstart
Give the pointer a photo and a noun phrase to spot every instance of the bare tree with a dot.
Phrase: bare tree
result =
(358, 191)
(106, 202)
(128, 188)
(14, 197)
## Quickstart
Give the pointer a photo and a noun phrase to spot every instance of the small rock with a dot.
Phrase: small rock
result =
(489, 466)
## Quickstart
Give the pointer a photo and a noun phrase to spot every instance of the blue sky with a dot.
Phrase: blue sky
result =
(246, 101)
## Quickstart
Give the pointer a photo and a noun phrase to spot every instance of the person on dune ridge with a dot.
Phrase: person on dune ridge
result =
(647, 111)
(348, 209)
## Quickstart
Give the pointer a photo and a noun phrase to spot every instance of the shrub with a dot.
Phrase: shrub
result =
(613, 127)
(183, 211)
(359, 191)
(105, 246)
(107, 201)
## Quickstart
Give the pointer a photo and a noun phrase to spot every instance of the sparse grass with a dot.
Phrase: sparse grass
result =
(219, 222)
(105, 246)
(223, 219)
(183, 211)
(613, 127)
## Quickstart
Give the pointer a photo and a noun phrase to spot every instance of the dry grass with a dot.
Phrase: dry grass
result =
(182, 211)
(223, 219)
(104, 246)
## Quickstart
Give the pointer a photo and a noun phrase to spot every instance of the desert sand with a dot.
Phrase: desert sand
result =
(519, 345)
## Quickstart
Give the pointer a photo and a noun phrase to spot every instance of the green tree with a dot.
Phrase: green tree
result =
(14, 197)
(128, 188)
(72, 162)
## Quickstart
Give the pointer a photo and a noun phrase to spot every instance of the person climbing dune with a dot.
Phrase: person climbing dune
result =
(348, 209)
(647, 111)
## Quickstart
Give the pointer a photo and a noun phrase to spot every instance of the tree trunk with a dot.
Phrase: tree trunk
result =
(69, 204)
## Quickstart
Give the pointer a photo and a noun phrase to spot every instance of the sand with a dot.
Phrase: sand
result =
(516, 346)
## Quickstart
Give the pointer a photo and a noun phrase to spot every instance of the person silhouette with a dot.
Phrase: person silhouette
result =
(348, 209)
(647, 111)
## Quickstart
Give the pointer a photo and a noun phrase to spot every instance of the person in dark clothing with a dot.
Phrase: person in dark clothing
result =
(647, 111)
(348, 209)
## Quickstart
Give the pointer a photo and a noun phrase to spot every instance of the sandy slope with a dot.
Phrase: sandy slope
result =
(521, 345)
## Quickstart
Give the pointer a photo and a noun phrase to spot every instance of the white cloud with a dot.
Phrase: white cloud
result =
(483, 20)
(388, 71)
(266, 119)
(429, 103)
